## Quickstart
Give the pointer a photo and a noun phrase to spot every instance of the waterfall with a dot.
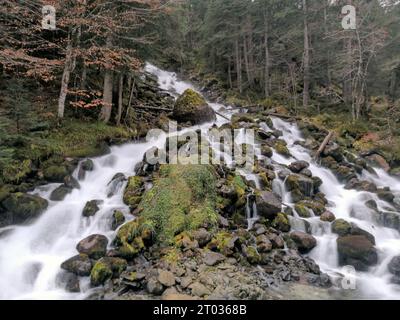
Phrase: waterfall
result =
(30, 255)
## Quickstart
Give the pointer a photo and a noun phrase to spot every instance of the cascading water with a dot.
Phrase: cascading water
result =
(30, 256)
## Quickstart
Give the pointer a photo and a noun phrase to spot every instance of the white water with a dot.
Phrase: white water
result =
(30, 256)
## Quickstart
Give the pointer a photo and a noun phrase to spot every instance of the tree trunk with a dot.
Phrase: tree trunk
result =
(229, 73)
(238, 66)
(120, 97)
(105, 114)
(267, 71)
(306, 62)
(69, 66)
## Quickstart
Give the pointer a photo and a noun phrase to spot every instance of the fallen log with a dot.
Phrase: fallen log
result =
(324, 144)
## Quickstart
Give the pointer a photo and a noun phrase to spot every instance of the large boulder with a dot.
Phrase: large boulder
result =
(80, 265)
(299, 184)
(304, 242)
(268, 204)
(133, 192)
(95, 246)
(192, 107)
(357, 251)
(23, 207)
(60, 193)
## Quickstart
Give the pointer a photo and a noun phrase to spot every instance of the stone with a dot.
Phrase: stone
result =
(86, 165)
(24, 207)
(80, 265)
(327, 216)
(298, 166)
(133, 192)
(166, 278)
(266, 151)
(107, 268)
(341, 227)
(60, 193)
(118, 219)
(202, 236)
(71, 182)
(277, 241)
(268, 204)
(304, 242)
(386, 195)
(55, 173)
(211, 258)
(357, 251)
(379, 161)
(69, 281)
(199, 290)
(394, 266)
(192, 107)
(91, 208)
(154, 287)
(300, 183)
(95, 246)
(115, 184)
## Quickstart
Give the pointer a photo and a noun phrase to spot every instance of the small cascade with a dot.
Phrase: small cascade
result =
(251, 210)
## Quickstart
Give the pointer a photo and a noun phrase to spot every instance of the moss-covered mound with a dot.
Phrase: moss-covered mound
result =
(191, 107)
(182, 198)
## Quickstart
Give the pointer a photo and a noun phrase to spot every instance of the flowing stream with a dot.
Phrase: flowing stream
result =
(31, 255)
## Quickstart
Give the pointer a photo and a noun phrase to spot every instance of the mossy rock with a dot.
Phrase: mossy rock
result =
(317, 207)
(302, 210)
(281, 222)
(55, 173)
(24, 207)
(192, 107)
(183, 198)
(281, 148)
(341, 227)
(106, 268)
(133, 192)
(252, 255)
(118, 219)
(131, 237)
(16, 171)
(223, 242)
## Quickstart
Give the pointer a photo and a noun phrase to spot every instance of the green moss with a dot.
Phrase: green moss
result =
(222, 242)
(281, 222)
(190, 99)
(133, 192)
(183, 198)
(15, 171)
(55, 173)
(281, 148)
(302, 210)
(100, 273)
(317, 207)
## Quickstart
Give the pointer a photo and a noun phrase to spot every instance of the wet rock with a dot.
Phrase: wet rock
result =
(266, 151)
(115, 184)
(385, 195)
(69, 281)
(166, 278)
(357, 231)
(268, 204)
(80, 265)
(191, 107)
(118, 219)
(107, 268)
(361, 185)
(95, 246)
(91, 208)
(154, 287)
(211, 258)
(394, 266)
(264, 135)
(334, 151)
(264, 245)
(327, 216)
(86, 165)
(344, 173)
(341, 227)
(71, 182)
(281, 148)
(389, 219)
(298, 166)
(277, 241)
(307, 173)
(305, 208)
(300, 183)
(23, 207)
(304, 242)
(357, 251)
(60, 193)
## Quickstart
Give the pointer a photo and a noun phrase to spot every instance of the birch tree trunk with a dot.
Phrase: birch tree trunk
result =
(120, 97)
(105, 114)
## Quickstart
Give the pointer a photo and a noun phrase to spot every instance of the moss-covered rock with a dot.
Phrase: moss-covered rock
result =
(316, 207)
(24, 207)
(95, 246)
(55, 173)
(183, 198)
(91, 208)
(105, 269)
(281, 148)
(358, 251)
(299, 183)
(133, 192)
(118, 219)
(252, 255)
(223, 242)
(192, 107)
(60, 193)
(341, 227)
(281, 222)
